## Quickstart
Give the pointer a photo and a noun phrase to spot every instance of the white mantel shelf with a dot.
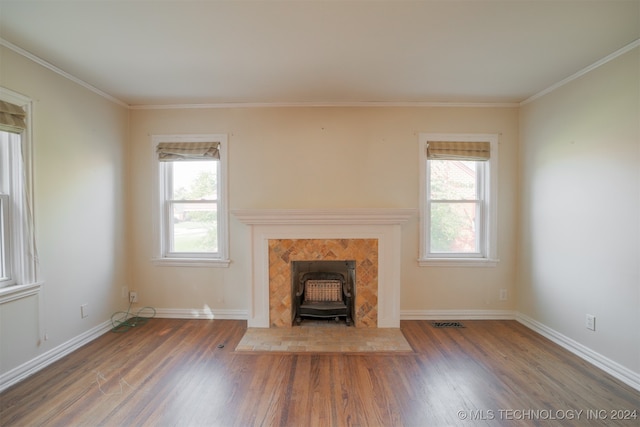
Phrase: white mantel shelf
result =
(375, 223)
(360, 216)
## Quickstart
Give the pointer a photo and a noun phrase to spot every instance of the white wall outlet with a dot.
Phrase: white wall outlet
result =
(591, 322)
(133, 297)
(503, 295)
(84, 310)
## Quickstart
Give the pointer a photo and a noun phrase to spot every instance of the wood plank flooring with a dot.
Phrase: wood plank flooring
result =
(171, 372)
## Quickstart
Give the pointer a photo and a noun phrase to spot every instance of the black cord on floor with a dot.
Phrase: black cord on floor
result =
(121, 321)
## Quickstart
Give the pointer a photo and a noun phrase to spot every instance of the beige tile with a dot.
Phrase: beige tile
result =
(283, 251)
(324, 339)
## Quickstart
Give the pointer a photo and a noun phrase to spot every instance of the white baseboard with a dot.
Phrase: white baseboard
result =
(457, 315)
(197, 313)
(614, 369)
(45, 359)
(21, 372)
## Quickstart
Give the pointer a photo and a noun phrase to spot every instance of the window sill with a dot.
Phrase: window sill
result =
(457, 262)
(15, 292)
(191, 262)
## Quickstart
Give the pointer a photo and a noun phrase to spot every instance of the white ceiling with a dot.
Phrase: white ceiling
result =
(145, 52)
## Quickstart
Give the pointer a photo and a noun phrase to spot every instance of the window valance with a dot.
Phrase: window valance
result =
(458, 150)
(172, 151)
(12, 118)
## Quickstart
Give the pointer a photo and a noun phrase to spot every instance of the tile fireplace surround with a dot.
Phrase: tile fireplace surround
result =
(371, 237)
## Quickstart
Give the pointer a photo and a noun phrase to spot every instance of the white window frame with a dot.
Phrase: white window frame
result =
(6, 264)
(19, 236)
(160, 217)
(488, 233)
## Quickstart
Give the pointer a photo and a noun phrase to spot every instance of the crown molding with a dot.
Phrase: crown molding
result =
(584, 71)
(62, 73)
(427, 104)
(111, 98)
(327, 104)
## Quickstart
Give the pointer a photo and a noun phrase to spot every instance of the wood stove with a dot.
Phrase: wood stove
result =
(324, 294)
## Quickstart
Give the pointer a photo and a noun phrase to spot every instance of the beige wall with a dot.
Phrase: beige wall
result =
(322, 158)
(580, 227)
(92, 205)
(569, 187)
(79, 141)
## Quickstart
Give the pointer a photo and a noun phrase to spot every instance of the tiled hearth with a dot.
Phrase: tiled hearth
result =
(371, 237)
(324, 337)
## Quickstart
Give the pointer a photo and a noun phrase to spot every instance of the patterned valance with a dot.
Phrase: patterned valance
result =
(12, 118)
(458, 150)
(172, 151)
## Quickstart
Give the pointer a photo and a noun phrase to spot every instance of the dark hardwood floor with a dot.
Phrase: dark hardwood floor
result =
(172, 373)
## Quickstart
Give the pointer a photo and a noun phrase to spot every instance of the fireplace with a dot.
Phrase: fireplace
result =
(282, 253)
(323, 290)
(369, 237)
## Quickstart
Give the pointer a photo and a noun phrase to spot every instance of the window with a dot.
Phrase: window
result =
(458, 189)
(191, 211)
(6, 276)
(17, 244)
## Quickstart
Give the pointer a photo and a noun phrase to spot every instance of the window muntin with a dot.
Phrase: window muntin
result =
(190, 214)
(191, 207)
(458, 200)
(454, 206)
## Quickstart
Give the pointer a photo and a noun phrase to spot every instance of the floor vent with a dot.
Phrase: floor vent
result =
(447, 325)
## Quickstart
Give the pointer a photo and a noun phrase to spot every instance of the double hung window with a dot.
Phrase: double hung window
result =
(191, 206)
(458, 192)
(6, 270)
(17, 243)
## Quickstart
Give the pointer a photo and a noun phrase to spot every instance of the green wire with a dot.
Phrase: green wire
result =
(125, 323)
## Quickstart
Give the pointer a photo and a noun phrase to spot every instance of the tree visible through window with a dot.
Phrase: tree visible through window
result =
(455, 206)
(458, 177)
(191, 213)
(192, 202)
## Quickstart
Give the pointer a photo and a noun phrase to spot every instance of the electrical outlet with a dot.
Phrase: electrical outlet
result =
(84, 310)
(133, 297)
(503, 295)
(591, 322)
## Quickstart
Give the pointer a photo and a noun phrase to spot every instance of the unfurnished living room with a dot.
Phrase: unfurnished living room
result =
(319, 213)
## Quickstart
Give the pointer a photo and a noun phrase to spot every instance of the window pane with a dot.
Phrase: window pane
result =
(453, 180)
(4, 273)
(453, 227)
(195, 227)
(194, 180)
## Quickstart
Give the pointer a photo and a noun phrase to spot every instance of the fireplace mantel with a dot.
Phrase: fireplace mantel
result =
(381, 224)
(323, 216)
